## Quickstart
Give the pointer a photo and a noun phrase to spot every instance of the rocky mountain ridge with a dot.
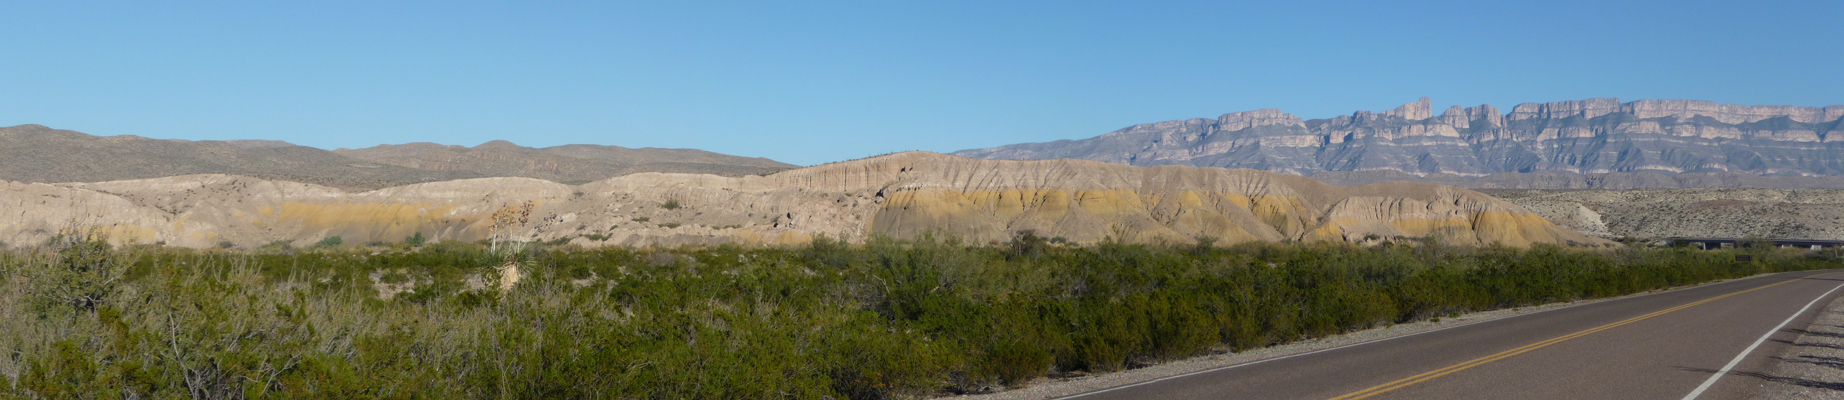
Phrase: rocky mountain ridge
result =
(1586, 137)
(901, 195)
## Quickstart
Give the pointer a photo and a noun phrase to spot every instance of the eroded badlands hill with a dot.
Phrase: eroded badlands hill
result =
(901, 195)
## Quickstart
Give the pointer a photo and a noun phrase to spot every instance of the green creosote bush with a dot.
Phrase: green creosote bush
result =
(79, 272)
(330, 241)
(670, 204)
(1204, 244)
(884, 319)
(279, 245)
(669, 225)
(638, 219)
(1026, 243)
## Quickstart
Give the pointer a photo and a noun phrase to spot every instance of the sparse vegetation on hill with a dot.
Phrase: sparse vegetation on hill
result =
(887, 319)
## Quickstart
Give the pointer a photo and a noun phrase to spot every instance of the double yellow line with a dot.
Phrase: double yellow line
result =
(1424, 377)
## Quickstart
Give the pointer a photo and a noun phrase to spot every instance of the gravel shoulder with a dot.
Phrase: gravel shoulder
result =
(1056, 387)
(1813, 367)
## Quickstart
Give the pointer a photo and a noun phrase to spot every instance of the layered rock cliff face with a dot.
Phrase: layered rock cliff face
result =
(901, 195)
(1466, 145)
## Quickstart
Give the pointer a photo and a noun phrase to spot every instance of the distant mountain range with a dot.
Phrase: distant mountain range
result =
(34, 153)
(1594, 143)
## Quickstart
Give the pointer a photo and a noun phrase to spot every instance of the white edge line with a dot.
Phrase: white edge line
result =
(1757, 343)
(1341, 347)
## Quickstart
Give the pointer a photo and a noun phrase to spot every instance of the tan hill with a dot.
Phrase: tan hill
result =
(901, 195)
(567, 164)
(1726, 213)
(35, 153)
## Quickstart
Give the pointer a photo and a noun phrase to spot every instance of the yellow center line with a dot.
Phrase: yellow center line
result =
(1425, 376)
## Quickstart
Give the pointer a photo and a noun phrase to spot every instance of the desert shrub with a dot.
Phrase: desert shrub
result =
(416, 240)
(279, 245)
(885, 319)
(76, 273)
(670, 204)
(330, 241)
(1204, 244)
(1026, 243)
(828, 252)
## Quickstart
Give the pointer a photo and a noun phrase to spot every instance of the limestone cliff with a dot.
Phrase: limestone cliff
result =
(1468, 145)
(900, 195)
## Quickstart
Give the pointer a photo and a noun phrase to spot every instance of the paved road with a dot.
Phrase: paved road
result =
(1658, 346)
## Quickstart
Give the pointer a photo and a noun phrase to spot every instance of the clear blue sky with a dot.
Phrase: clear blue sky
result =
(816, 83)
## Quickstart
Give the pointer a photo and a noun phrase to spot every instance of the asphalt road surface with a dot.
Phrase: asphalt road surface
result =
(1659, 346)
